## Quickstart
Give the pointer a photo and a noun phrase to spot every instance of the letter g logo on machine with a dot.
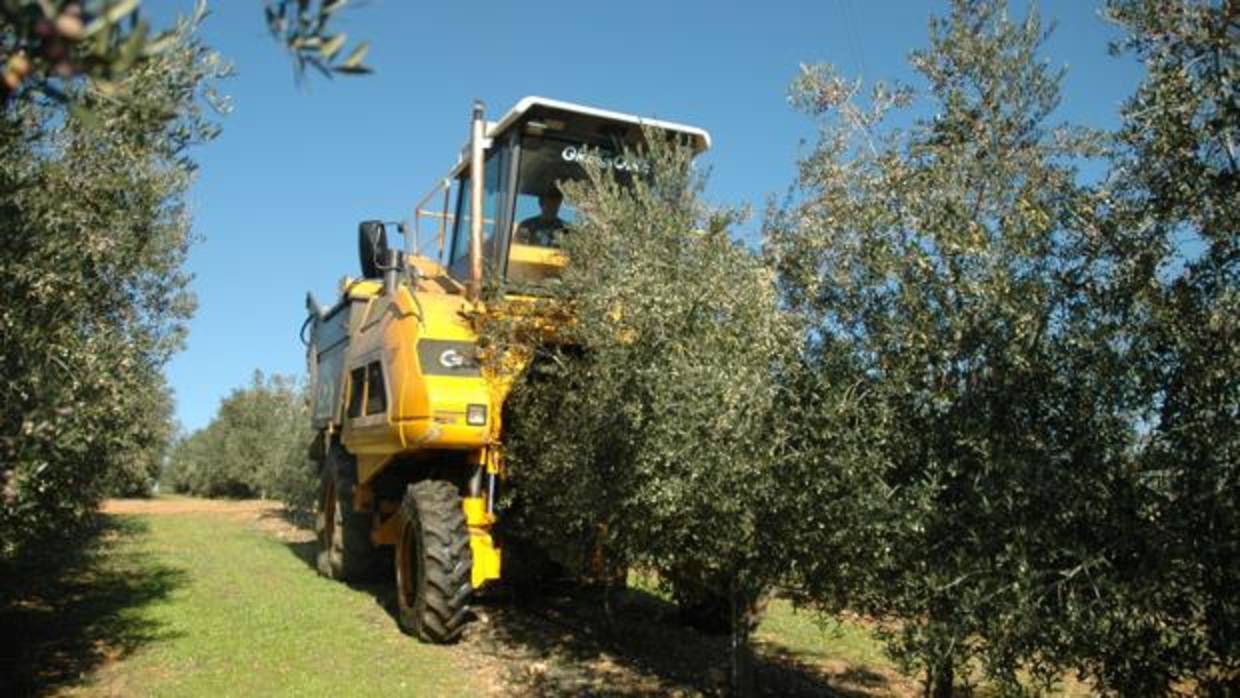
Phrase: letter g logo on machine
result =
(451, 358)
(447, 357)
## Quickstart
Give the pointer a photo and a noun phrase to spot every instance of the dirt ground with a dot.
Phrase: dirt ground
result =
(265, 515)
(189, 505)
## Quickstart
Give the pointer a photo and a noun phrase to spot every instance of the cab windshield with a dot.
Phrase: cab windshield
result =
(541, 215)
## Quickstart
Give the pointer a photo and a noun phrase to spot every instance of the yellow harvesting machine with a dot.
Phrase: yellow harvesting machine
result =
(408, 432)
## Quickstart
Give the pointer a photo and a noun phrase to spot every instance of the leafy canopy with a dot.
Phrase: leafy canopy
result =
(255, 446)
(95, 236)
(652, 419)
(941, 270)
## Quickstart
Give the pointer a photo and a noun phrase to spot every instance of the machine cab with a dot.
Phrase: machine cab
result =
(526, 155)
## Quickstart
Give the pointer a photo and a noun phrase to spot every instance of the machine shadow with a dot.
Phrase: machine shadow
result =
(562, 641)
(307, 550)
(69, 612)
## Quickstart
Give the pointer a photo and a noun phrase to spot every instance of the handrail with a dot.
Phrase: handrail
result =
(414, 245)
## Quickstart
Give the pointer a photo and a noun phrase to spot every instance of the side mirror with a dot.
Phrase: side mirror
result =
(371, 248)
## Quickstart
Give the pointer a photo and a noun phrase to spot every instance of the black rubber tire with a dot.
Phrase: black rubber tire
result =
(345, 551)
(434, 563)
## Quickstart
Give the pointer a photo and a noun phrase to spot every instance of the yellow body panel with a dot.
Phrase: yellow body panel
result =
(424, 413)
(532, 263)
(486, 556)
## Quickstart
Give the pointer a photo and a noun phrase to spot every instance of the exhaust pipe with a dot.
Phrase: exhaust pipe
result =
(476, 184)
(391, 269)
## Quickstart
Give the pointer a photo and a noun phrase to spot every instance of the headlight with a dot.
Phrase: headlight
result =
(476, 415)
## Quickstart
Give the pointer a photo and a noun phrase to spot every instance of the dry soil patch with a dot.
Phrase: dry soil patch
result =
(189, 505)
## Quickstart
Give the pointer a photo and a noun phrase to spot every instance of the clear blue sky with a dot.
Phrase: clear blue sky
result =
(280, 192)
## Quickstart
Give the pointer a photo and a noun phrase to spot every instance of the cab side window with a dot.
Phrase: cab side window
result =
(367, 391)
(493, 176)
(376, 389)
(357, 386)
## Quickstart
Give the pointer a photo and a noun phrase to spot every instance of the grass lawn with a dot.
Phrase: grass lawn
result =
(805, 636)
(205, 604)
(185, 597)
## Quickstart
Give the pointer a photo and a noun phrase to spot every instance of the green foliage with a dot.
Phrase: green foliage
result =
(304, 27)
(1173, 295)
(46, 43)
(653, 423)
(95, 235)
(47, 46)
(944, 267)
(255, 446)
(138, 466)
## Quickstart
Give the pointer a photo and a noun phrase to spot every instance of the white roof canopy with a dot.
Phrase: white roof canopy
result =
(701, 139)
(542, 105)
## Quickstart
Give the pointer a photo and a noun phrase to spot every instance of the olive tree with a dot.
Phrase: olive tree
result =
(650, 423)
(139, 463)
(1170, 616)
(95, 233)
(254, 446)
(944, 266)
(97, 112)
(46, 46)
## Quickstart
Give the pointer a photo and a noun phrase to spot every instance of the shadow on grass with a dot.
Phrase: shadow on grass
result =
(306, 549)
(561, 642)
(790, 668)
(67, 612)
(297, 518)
